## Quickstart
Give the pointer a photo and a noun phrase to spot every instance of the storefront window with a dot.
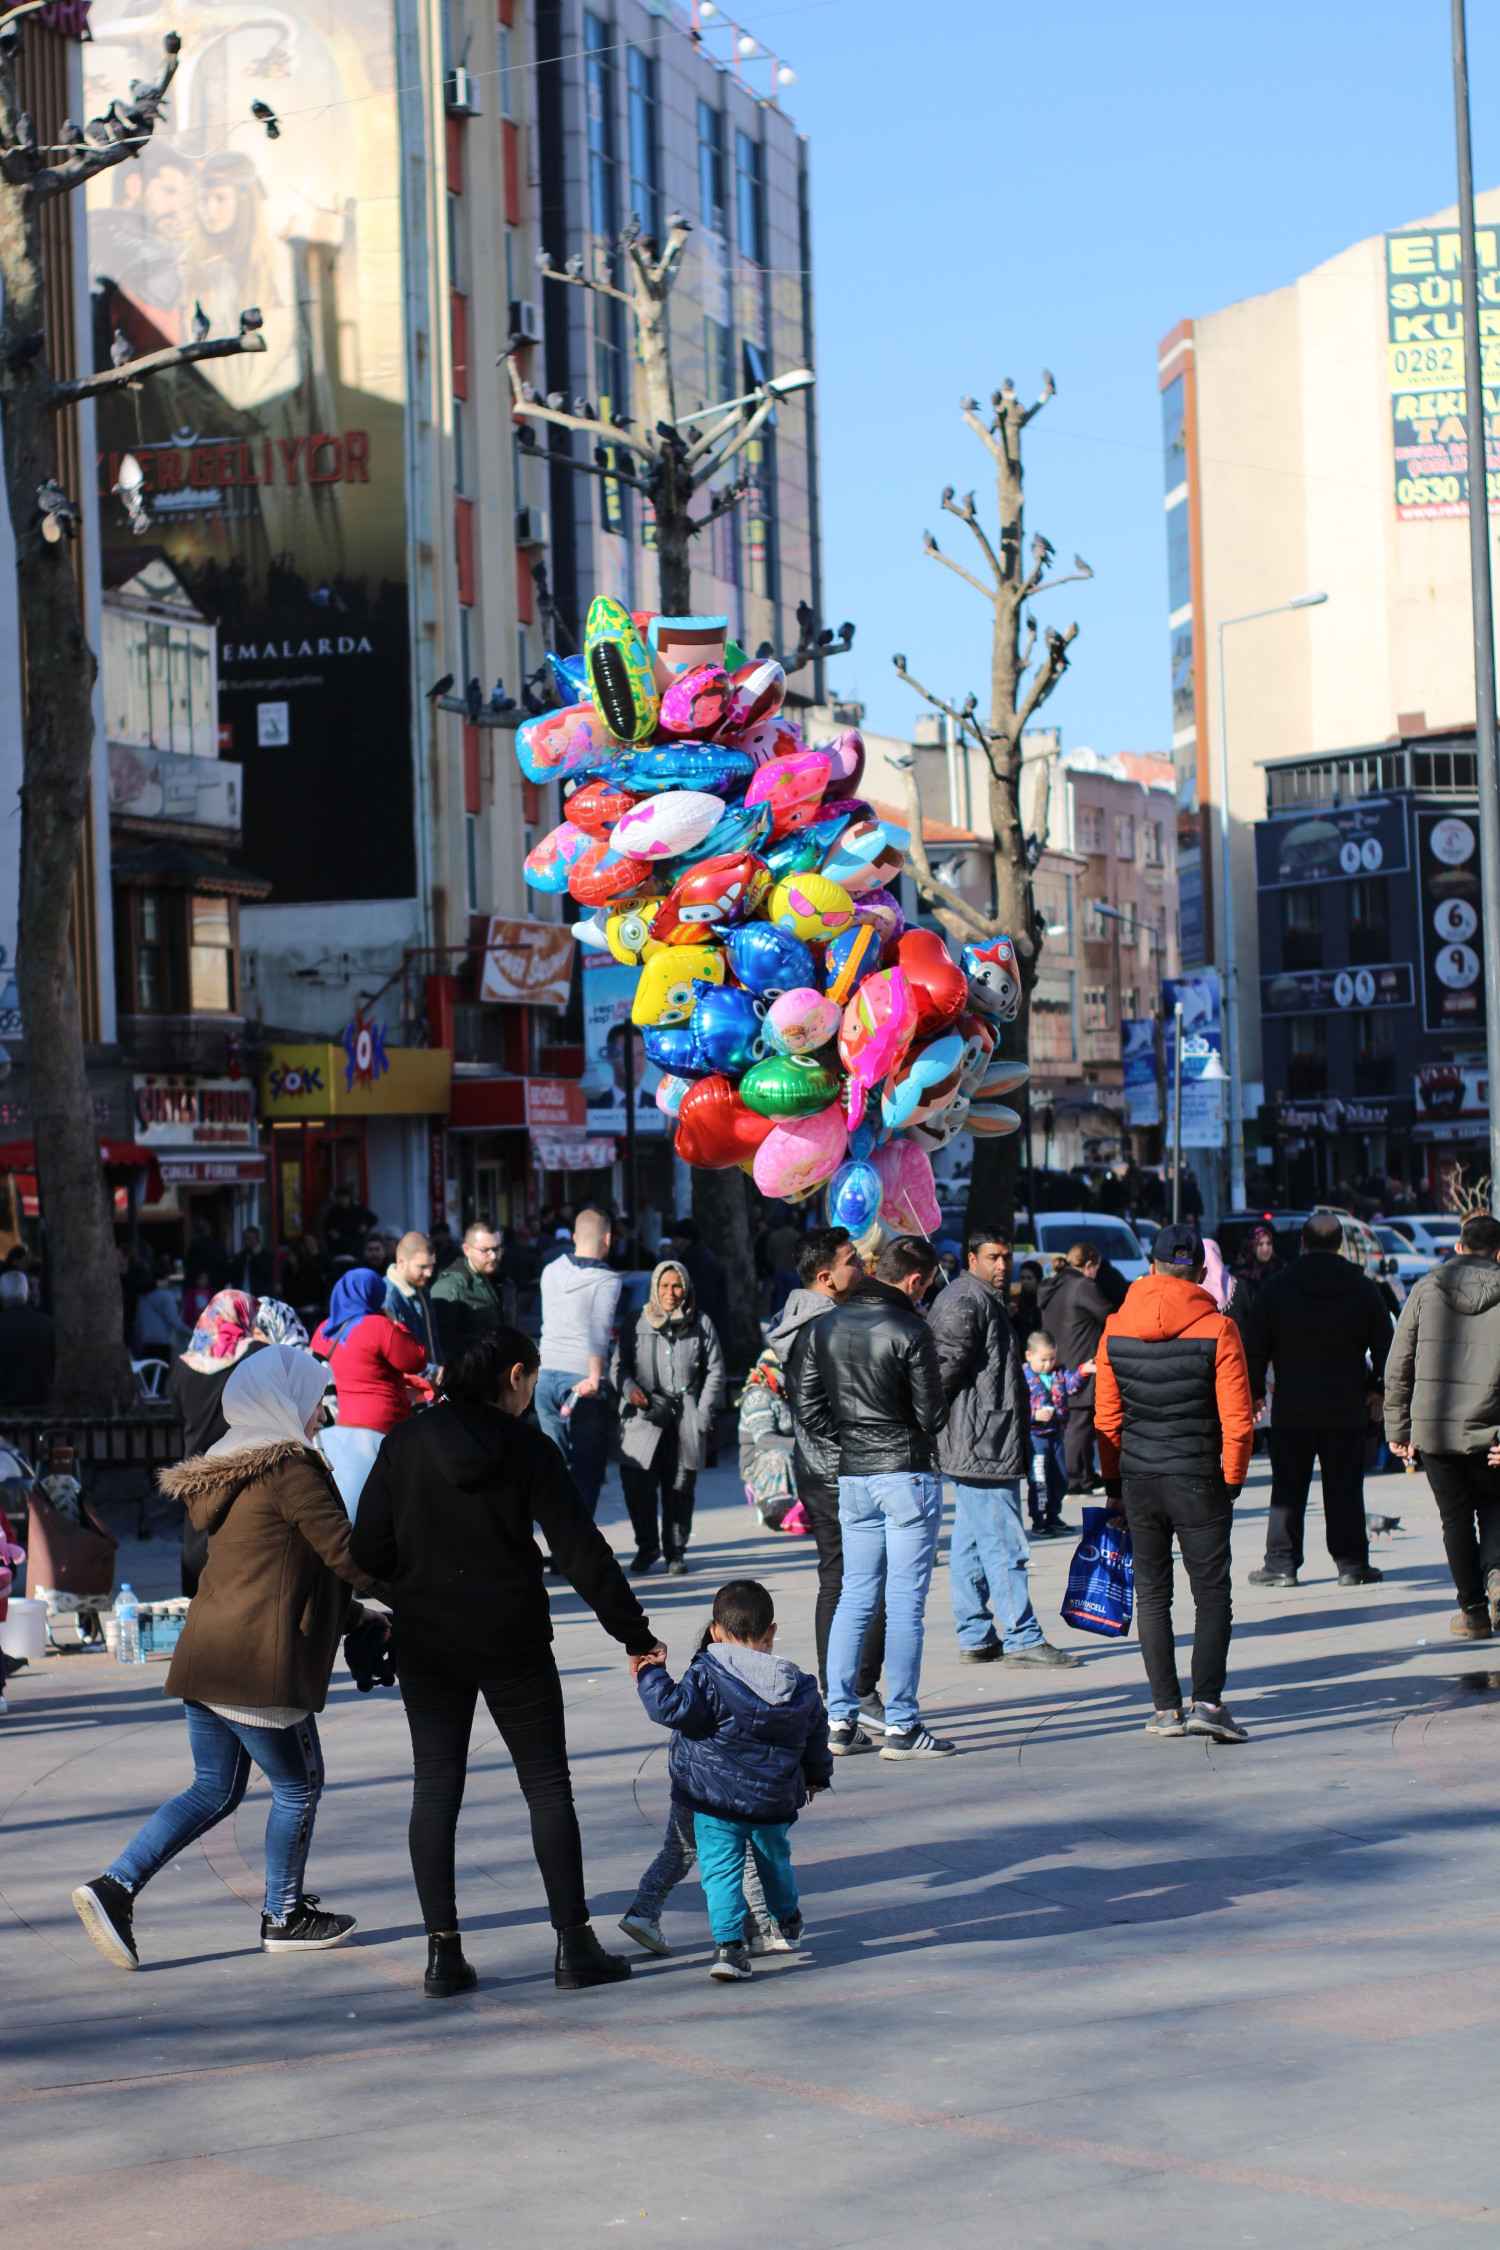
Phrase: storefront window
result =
(211, 956)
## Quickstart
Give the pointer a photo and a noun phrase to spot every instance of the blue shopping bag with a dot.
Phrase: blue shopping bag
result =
(1101, 1578)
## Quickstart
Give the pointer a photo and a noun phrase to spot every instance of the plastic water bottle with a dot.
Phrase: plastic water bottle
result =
(128, 1627)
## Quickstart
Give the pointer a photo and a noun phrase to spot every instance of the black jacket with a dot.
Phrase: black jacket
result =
(446, 1519)
(1075, 1310)
(989, 1414)
(871, 1380)
(1314, 1324)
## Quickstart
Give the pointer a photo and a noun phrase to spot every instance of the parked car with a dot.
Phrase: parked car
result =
(1434, 1232)
(1057, 1231)
(1411, 1263)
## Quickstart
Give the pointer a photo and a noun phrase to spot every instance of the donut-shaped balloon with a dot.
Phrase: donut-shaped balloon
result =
(665, 992)
(683, 765)
(802, 1153)
(908, 1204)
(854, 1195)
(994, 976)
(846, 756)
(598, 805)
(792, 787)
(628, 934)
(936, 1132)
(993, 1118)
(715, 1129)
(549, 862)
(769, 961)
(923, 1082)
(810, 907)
(664, 827)
(789, 1086)
(851, 957)
(939, 984)
(867, 855)
(729, 1029)
(696, 703)
(756, 691)
(619, 669)
(802, 1021)
(715, 892)
(882, 910)
(875, 1034)
(601, 874)
(560, 743)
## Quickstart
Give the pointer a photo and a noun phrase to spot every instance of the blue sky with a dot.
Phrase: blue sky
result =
(997, 189)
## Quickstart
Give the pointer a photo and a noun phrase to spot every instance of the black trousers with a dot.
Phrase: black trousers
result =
(642, 1486)
(823, 1514)
(1340, 1454)
(1199, 1511)
(1467, 1491)
(526, 1704)
(1078, 1438)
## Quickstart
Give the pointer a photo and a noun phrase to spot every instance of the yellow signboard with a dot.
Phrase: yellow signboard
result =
(319, 1081)
(1425, 367)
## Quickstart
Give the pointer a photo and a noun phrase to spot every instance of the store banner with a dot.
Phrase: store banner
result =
(1425, 367)
(573, 1152)
(1453, 1101)
(1304, 992)
(1452, 931)
(608, 991)
(1367, 838)
(194, 1112)
(527, 964)
(1138, 1055)
(1202, 1038)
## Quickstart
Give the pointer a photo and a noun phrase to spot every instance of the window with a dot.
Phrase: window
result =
(460, 450)
(1151, 843)
(750, 198)
(645, 162)
(508, 103)
(1174, 435)
(1179, 560)
(711, 166)
(150, 932)
(455, 245)
(718, 361)
(1184, 698)
(1306, 1056)
(1375, 1052)
(1125, 836)
(1098, 927)
(1302, 927)
(1096, 1007)
(1051, 1028)
(1369, 921)
(599, 75)
(1090, 828)
(1054, 900)
(211, 955)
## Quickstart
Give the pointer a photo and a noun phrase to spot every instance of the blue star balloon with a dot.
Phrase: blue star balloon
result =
(769, 961)
(671, 1046)
(729, 1029)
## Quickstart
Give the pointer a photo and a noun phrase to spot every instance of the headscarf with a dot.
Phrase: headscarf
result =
(269, 1399)
(657, 1316)
(355, 1294)
(767, 1371)
(279, 1324)
(1215, 1280)
(224, 1329)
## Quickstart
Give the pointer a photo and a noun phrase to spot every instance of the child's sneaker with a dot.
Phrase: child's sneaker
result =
(645, 1932)
(767, 1937)
(791, 1931)
(731, 1963)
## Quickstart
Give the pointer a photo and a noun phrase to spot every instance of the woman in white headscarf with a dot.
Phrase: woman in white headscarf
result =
(256, 1653)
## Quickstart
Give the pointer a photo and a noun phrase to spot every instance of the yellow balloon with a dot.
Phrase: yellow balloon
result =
(665, 992)
(628, 933)
(810, 907)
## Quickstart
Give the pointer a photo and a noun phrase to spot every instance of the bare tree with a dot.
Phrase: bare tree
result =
(670, 462)
(1026, 664)
(93, 1367)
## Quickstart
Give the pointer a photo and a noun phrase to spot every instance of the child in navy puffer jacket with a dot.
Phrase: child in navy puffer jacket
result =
(749, 1748)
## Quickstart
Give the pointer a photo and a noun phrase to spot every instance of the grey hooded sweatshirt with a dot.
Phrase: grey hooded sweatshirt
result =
(815, 1460)
(1442, 1379)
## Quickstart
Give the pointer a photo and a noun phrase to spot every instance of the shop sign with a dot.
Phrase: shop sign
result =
(1367, 838)
(316, 1081)
(212, 1171)
(1453, 1102)
(194, 1112)
(1451, 924)
(553, 1104)
(528, 964)
(572, 1152)
(1314, 991)
(1425, 367)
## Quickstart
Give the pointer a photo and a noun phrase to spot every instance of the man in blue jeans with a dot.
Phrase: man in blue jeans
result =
(873, 1384)
(580, 1292)
(983, 1449)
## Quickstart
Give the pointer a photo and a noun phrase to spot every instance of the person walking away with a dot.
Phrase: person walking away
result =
(160, 1331)
(408, 1297)
(1442, 1399)
(767, 1436)
(1174, 1429)
(1324, 1328)
(27, 1345)
(749, 1750)
(983, 1450)
(710, 1289)
(1076, 1304)
(256, 1654)
(874, 1383)
(374, 1365)
(828, 1268)
(580, 1296)
(446, 1521)
(668, 1374)
(1049, 1388)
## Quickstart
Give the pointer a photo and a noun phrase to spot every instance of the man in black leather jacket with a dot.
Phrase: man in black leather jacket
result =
(872, 1381)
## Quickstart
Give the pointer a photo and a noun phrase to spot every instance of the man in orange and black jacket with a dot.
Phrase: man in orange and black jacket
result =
(1173, 1416)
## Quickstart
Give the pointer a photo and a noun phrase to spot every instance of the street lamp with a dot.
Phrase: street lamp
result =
(1226, 914)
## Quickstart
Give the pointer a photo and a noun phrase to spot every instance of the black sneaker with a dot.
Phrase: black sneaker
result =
(988, 1652)
(642, 1563)
(1266, 1577)
(845, 1739)
(915, 1742)
(677, 1567)
(105, 1908)
(1055, 1528)
(1362, 1574)
(792, 1930)
(1041, 1656)
(731, 1963)
(307, 1929)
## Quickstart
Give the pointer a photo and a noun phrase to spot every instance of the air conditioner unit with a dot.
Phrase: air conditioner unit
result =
(461, 93)
(531, 527)
(525, 321)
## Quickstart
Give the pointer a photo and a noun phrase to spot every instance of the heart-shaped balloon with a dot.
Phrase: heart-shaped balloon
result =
(801, 1153)
(939, 986)
(715, 1129)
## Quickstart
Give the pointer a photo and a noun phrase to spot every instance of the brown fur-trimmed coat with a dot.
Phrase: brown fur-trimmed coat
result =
(276, 1592)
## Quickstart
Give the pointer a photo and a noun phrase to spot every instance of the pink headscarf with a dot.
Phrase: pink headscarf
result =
(224, 1328)
(1215, 1280)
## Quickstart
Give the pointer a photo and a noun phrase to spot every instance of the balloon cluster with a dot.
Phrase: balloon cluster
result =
(804, 1032)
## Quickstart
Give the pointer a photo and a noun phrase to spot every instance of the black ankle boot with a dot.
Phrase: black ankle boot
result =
(447, 1970)
(582, 1960)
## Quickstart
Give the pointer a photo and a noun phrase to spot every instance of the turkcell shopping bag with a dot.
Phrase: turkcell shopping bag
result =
(1101, 1578)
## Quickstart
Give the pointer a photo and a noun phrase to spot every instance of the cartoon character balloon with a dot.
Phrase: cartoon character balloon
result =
(728, 1026)
(877, 1029)
(854, 1195)
(811, 908)
(851, 957)
(598, 805)
(789, 1086)
(846, 756)
(725, 889)
(802, 1021)
(994, 977)
(550, 862)
(628, 933)
(561, 743)
(936, 1132)
(665, 992)
(601, 874)
(867, 855)
(757, 691)
(801, 1153)
(768, 961)
(923, 1082)
(792, 787)
(696, 703)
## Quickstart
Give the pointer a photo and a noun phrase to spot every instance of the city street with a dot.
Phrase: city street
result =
(1074, 1987)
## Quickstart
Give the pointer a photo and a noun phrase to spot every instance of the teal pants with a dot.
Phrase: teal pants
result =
(721, 1870)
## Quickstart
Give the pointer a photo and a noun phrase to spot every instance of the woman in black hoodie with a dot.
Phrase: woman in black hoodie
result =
(445, 1519)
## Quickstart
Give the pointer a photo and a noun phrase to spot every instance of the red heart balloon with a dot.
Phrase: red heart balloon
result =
(715, 1129)
(938, 984)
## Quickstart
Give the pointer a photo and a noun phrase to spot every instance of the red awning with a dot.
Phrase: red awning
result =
(126, 1156)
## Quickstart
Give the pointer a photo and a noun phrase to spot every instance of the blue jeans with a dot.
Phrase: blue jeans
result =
(889, 1527)
(987, 1563)
(583, 1440)
(721, 1870)
(1049, 1471)
(223, 1753)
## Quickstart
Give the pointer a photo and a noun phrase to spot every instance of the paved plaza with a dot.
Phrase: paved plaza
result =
(1075, 1987)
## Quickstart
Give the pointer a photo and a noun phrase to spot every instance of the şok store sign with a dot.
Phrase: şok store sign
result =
(274, 483)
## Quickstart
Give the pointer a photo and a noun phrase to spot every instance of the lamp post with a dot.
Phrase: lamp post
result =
(1226, 915)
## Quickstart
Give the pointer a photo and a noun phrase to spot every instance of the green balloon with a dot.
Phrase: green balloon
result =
(789, 1086)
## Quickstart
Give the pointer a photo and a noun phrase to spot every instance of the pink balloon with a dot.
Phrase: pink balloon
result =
(848, 754)
(908, 1203)
(801, 1153)
(876, 1032)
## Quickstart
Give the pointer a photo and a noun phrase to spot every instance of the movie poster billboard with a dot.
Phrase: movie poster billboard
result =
(1202, 1040)
(608, 990)
(274, 484)
(1425, 367)
(1452, 931)
(1138, 1056)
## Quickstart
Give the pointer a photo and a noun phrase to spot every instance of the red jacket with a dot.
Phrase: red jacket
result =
(370, 1368)
(1186, 1407)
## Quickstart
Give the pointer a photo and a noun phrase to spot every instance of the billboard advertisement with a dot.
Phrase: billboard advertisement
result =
(1452, 933)
(1368, 838)
(1425, 368)
(1138, 1055)
(608, 990)
(1308, 992)
(274, 484)
(1202, 1038)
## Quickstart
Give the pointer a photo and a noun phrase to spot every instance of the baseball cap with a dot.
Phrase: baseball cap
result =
(1179, 1244)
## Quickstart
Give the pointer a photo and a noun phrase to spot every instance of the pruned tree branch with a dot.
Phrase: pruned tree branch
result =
(155, 363)
(580, 280)
(967, 514)
(952, 909)
(1051, 670)
(590, 425)
(966, 718)
(123, 131)
(724, 503)
(990, 593)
